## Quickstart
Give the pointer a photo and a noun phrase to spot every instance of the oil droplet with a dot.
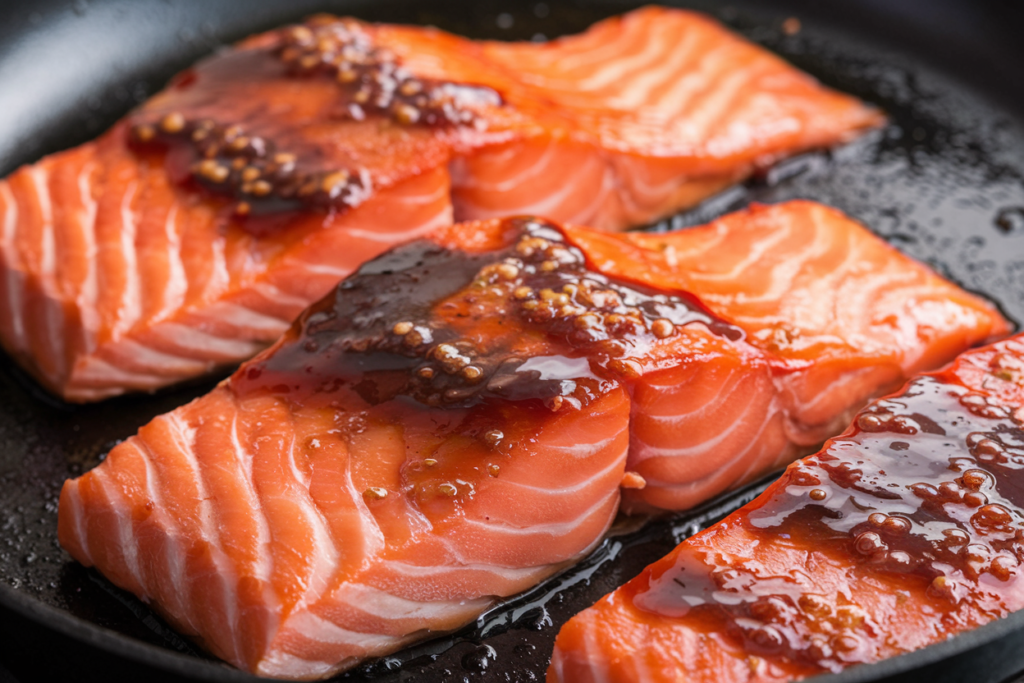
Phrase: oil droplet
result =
(536, 618)
(479, 659)
(1011, 220)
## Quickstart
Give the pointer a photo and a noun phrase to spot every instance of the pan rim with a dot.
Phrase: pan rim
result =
(122, 645)
(180, 663)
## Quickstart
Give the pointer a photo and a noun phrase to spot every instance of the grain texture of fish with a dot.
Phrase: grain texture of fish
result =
(192, 233)
(905, 531)
(453, 423)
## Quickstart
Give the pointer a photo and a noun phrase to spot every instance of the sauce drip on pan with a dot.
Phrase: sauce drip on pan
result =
(928, 486)
(528, 320)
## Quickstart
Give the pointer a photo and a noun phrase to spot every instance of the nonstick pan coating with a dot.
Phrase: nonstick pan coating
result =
(944, 183)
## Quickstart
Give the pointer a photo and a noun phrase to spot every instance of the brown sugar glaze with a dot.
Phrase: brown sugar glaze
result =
(272, 157)
(526, 320)
(474, 346)
(924, 496)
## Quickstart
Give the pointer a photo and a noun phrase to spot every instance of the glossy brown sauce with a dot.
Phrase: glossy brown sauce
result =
(373, 80)
(249, 168)
(270, 158)
(528, 321)
(930, 485)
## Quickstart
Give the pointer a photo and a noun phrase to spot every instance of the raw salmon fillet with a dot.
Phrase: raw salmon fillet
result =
(452, 424)
(903, 532)
(192, 233)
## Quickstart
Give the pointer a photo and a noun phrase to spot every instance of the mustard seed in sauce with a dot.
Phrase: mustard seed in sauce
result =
(663, 328)
(172, 123)
(374, 80)
(247, 168)
(375, 493)
(264, 168)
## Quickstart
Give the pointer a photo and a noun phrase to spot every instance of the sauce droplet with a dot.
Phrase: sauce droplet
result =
(480, 658)
(1010, 220)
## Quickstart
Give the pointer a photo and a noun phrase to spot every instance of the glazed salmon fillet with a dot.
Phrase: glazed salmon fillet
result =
(834, 315)
(191, 234)
(902, 532)
(454, 423)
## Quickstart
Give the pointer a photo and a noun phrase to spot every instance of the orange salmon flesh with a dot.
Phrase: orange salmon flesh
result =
(452, 424)
(902, 532)
(153, 255)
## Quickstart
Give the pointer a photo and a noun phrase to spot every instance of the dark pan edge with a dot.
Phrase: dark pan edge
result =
(211, 670)
(117, 643)
(120, 644)
(182, 663)
(963, 642)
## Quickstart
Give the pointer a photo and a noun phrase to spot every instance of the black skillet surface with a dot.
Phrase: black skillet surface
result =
(944, 182)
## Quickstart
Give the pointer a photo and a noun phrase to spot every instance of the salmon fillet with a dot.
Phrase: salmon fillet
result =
(452, 424)
(903, 532)
(834, 315)
(193, 232)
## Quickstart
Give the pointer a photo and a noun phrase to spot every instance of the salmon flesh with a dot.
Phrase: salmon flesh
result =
(190, 235)
(902, 532)
(455, 421)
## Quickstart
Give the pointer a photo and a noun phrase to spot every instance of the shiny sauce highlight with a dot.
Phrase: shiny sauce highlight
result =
(528, 321)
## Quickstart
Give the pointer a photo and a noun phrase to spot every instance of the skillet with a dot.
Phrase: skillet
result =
(944, 182)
